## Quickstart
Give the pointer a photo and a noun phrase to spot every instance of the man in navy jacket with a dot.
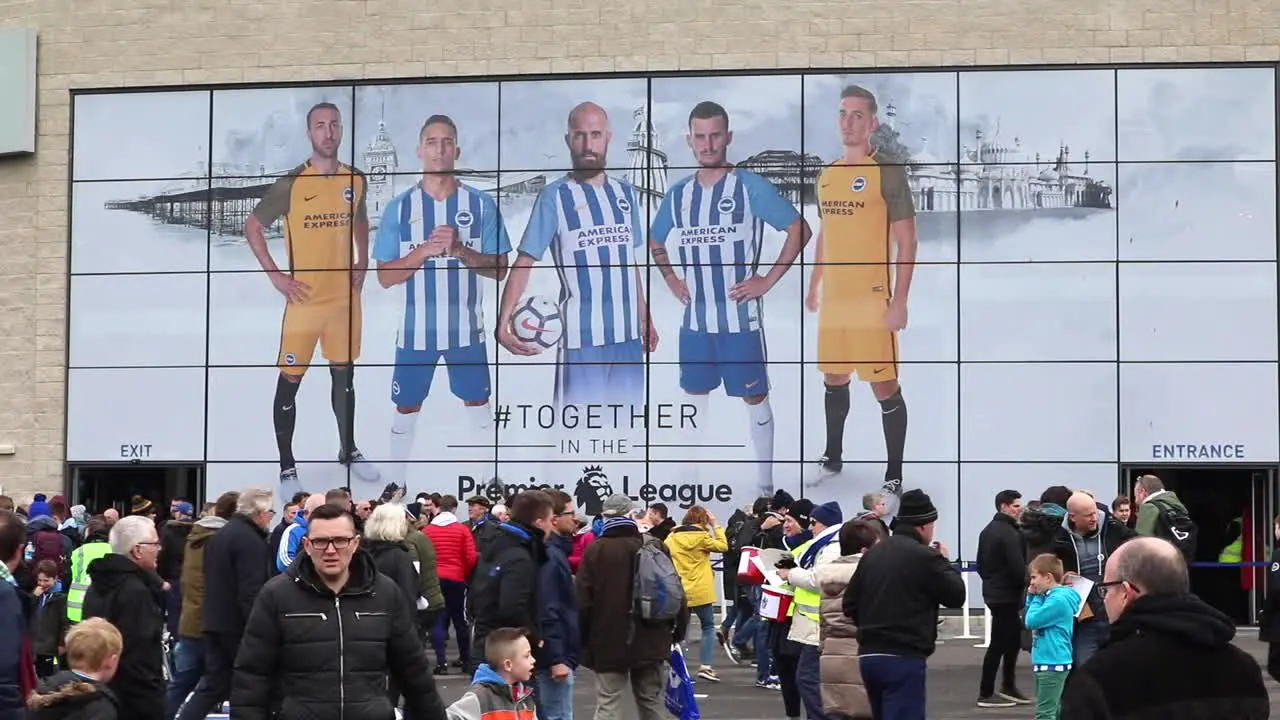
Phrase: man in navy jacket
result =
(558, 616)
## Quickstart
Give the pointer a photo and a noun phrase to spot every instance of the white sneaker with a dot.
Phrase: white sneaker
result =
(362, 469)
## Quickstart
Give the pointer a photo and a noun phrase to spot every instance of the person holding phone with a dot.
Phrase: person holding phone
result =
(691, 545)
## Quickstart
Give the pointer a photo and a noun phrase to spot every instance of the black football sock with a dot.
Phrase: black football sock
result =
(836, 405)
(893, 415)
(342, 393)
(284, 415)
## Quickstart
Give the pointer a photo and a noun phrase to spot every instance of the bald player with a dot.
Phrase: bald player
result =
(591, 224)
(291, 541)
(865, 261)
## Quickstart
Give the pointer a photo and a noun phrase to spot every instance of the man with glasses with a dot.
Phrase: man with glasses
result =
(235, 569)
(126, 591)
(324, 636)
(558, 615)
(1165, 639)
(1084, 543)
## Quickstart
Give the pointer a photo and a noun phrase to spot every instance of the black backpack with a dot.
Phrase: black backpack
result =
(1175, 525)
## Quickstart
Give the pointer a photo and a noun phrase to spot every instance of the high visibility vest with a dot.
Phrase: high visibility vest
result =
(806, 602)
(80, 580)
(1234, 552)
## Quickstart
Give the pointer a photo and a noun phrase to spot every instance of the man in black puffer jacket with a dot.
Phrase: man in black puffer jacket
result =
(324, 636)
(506, 588)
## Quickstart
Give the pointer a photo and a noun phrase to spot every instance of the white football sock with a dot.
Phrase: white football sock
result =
(403, 427)
(762, 442)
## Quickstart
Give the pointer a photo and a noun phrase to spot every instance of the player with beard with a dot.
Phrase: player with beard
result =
(322, 202)
(868, 227)
(717, 216)
(437, 240)
(591, 223)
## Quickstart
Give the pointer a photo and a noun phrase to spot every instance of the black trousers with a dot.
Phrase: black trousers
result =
(1273, 660)
(1006, 642)
(214, 687)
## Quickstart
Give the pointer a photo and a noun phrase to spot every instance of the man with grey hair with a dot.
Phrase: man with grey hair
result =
(1085, 541)
(235, 569)
(1160, 630)
(125, 590)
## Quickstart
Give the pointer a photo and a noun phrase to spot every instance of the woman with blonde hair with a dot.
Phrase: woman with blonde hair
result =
(691, 545)
(843, 694)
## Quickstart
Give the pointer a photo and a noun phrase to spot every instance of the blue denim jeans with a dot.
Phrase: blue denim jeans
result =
(764, 651)
(1089, 636)
(707, 620)
(554, 699)
(188, 666)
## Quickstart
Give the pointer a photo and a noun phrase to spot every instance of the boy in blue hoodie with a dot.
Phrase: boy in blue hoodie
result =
(498, 690)
(1051, 613)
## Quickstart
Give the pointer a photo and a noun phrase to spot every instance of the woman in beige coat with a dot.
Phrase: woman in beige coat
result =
(843, 694)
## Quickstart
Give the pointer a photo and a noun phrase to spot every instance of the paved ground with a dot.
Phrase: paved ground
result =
(953, 679)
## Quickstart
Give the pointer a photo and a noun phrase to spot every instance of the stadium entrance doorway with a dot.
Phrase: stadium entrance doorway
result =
(1227, 503)
(99, 487)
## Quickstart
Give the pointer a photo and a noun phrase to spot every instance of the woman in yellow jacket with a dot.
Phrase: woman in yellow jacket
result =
(691, 544)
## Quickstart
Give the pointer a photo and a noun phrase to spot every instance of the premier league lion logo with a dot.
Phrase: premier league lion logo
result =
(592, 489)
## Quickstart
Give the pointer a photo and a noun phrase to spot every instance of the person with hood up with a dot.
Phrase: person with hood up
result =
(506, 593)
(323, 637)
(1162, 633)
(456, 560)
(81, 693)
(173, 547)
(46, 542)
(126, 592)
(691, 544)
(843, 694)
(1085, 541)
(823, 548)
(188, 655)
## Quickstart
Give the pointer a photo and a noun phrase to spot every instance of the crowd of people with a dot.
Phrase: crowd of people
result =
(343, 608)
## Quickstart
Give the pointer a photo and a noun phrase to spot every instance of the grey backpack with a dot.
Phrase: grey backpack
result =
(657, 592)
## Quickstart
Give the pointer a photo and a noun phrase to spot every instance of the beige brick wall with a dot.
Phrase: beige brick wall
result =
(121, 43)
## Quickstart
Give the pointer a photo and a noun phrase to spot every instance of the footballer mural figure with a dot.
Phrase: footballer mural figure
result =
(591, 224)
(322, 202)
(437, 240)
(713, 221)
(866, 253)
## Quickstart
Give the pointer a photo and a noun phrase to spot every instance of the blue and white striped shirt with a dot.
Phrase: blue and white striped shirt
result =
(592, 232)
(718, 233)
(443, 301)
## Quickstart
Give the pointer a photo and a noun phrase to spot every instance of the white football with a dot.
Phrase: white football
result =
(537, 321)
